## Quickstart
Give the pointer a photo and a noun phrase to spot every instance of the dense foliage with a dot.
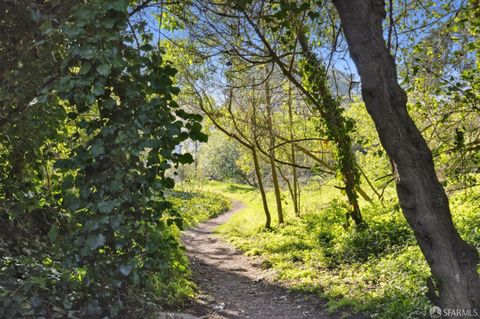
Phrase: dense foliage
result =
(84, 157)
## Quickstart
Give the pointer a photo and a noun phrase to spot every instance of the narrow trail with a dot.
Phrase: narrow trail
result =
(232, 285)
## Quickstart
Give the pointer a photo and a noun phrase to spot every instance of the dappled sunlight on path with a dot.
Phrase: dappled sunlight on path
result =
(232, 285)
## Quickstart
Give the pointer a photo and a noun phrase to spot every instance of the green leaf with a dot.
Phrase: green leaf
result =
(125, 269)
(104, 69)
(98, 89)
(84, 15)
(152, 143)
(46, 27)
(97, 150)
(86, 67)
(107, 206)
(72, 31)
(90, 99)
(53, 233)
(185, 158)
(168, 182)
(199, 136)
(116, 186)
(115, 221)
(108, 23)
(71, 202)
(95, 241)
(119, 5)
(87, 53)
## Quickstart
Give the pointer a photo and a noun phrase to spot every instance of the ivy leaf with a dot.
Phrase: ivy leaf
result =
(86, 67)
(125, 269)
(46, 27)
(185, 158)
(168, 182)
(71, 201)
(119, 5)
(104, 69)
(152, 143)
(94, 309)
(95, 241)
(72, 31)
(98, 89)
(87, 53)
(115, 221)
(116, 185)
(36, 302)
(107, 206)
(53, 233)
(97, 150)
(199, 136)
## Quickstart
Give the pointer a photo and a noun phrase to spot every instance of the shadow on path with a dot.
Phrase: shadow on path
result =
(232, 285)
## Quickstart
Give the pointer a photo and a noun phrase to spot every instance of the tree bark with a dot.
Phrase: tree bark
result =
(293, 157)
(276, 186)
(268, 219)
(422, 198)
(331, 111)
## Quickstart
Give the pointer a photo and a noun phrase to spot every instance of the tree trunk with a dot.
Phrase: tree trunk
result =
(293, 157)
(337, 125)
(276, 186)
(423, 200)
(268, 221)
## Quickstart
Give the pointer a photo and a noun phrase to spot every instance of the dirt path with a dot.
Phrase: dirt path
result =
(232, 285)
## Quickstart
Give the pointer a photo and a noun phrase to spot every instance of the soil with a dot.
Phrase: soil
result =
(232, 285)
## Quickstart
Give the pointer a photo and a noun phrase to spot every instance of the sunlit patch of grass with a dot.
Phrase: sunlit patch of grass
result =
(197, 207)
(379, 270)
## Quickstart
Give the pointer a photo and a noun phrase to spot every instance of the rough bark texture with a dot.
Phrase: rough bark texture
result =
(422, 198)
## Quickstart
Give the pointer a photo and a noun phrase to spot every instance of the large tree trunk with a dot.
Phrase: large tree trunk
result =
(422, 198)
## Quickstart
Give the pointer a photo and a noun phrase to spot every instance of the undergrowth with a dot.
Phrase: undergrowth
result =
(36, 282)
(378, 269)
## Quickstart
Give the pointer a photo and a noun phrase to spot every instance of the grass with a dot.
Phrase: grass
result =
(196, 207)
(379, 270)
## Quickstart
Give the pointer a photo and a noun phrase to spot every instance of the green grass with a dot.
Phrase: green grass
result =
(379, 270)
(196, 207)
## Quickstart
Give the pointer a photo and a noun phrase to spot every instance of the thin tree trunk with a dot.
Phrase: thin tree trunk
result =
(422, 198)
(268, 220)
(287, 181)
(292, 152)
(276, 186)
